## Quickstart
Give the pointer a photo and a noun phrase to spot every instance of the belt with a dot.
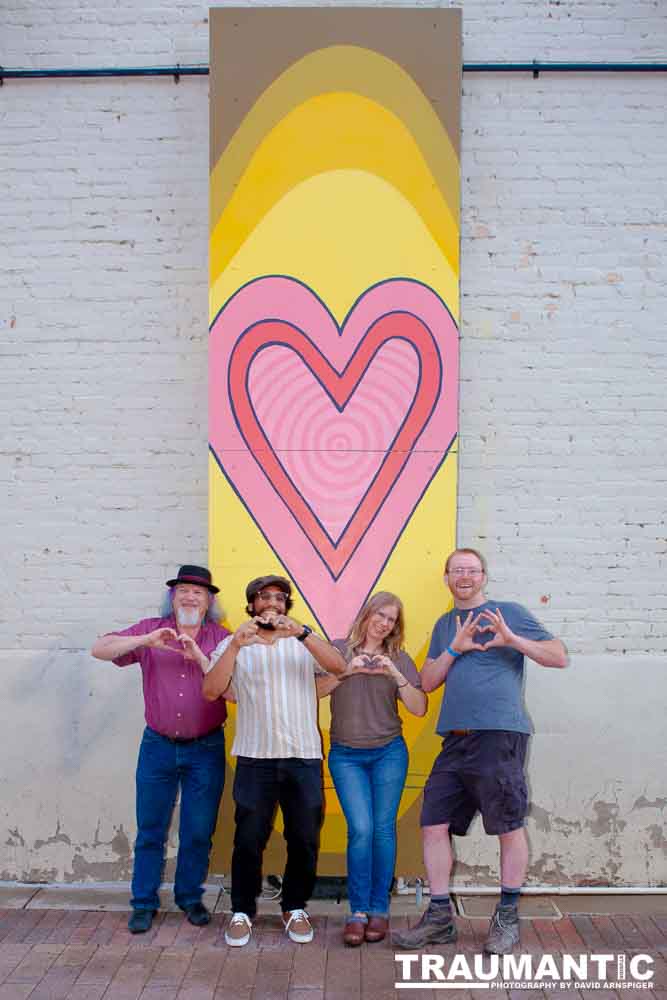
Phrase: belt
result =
(180, 740)
(461, 732)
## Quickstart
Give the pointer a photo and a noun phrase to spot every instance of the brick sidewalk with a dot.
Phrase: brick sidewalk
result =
(86, 955)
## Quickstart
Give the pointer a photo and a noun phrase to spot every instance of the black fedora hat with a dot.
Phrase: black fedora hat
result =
(195, 574)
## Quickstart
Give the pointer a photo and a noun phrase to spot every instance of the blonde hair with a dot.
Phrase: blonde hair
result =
(393, 643)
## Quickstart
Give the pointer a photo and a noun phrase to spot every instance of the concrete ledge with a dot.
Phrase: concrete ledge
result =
(530, 907)
(14, 896)
(594, 904)
(115, 897)
(110, 898)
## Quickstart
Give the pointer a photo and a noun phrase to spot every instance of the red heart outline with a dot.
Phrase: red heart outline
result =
(340, 387)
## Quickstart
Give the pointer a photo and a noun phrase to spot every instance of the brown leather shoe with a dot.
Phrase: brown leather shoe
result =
(353, 935)
(376, 928)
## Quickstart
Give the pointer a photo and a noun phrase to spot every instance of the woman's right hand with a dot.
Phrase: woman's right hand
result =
(369, 663)
(386, 667)
(358, 665)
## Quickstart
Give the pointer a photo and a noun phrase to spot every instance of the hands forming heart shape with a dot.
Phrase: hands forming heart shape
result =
(469, 632)
(160, 638)
(168, 638)
(188, 645)
(371, 663)
(266, 628)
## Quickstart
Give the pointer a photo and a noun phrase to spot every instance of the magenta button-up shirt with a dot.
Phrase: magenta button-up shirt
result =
(173, 696)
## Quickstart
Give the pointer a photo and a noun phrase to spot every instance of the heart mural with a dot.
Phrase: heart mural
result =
(330, 435)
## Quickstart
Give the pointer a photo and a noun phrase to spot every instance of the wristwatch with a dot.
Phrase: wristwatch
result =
(307, 630)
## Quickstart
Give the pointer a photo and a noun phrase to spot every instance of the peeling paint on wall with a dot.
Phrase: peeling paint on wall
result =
(548, 870)
(606, 820)
(657, 837)
(545, 822)
(479, 874)
(643, 803)
(57, 838)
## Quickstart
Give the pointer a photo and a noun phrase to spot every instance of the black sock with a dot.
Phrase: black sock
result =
(443, 900)
(509, 897)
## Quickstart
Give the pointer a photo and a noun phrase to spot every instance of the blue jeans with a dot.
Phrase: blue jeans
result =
(198, 766)
(369, 784)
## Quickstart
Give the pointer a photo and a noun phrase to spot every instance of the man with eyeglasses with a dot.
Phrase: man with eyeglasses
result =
(478, 648)
(269, 667)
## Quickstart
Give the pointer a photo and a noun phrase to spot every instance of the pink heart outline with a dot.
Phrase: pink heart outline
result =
(334, 599)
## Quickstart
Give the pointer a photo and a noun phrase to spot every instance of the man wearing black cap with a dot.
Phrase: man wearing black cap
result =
(268, 667)
(183, 743)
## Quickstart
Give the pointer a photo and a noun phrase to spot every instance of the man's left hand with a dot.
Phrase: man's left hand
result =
(189, 646)
(286, 626)
(503, 634)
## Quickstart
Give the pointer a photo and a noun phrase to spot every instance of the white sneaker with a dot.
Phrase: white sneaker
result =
(238, 930)
(298, 926)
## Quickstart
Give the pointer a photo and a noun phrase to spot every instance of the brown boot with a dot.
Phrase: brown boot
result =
(376, 928)
(353, 935)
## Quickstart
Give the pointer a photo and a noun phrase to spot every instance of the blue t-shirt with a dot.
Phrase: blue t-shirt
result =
(484, 690)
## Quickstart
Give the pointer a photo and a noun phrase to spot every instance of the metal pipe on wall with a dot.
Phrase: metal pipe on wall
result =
(535, 67)
(403, 888)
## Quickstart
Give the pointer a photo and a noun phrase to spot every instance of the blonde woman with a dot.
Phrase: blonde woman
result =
(368, 760)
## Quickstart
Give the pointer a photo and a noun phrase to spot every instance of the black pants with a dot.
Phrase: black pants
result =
(259, 786)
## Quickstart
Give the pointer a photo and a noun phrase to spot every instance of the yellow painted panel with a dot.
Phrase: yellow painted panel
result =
(357, 228)
(349, 69)
(330, 132)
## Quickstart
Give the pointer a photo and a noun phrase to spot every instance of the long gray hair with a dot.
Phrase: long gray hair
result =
(215, 612)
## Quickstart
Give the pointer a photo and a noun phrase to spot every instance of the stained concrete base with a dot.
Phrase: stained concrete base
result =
(14, 896)
(108, 897)
(533, 907)
(594, 904)
(115, 896)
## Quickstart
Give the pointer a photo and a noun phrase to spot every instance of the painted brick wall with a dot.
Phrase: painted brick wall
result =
(103, 312)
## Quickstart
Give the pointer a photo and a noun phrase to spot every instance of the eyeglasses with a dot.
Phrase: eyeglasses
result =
(266, 595)
(463, 571)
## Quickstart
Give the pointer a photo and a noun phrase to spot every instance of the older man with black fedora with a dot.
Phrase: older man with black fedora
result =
(183, 745)
(269, 666)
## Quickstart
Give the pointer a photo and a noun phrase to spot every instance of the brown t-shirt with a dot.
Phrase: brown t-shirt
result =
(363, 707)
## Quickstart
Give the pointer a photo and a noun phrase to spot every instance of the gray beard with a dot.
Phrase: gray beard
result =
(187, 617)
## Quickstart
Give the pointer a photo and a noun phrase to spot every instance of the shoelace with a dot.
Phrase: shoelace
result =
(297, 915)
(239, 918)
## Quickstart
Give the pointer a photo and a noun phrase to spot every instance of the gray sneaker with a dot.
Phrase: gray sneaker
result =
(435, 927)
(503, 931)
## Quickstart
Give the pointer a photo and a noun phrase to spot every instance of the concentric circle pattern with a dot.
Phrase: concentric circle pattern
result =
(332, 455)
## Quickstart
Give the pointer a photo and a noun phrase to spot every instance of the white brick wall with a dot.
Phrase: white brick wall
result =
(103, 312)
(564, 360)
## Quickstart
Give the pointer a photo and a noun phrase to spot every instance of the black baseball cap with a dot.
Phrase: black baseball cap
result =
(261, 582)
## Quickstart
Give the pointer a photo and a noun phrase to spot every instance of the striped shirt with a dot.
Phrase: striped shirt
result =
(276, 699)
